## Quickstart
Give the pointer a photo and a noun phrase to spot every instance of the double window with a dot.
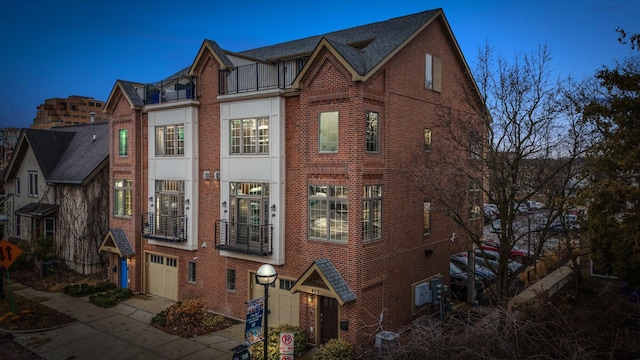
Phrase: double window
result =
(328, 132)
(33, 183)
(122, 197)
(372, 212)
(249, 136)
(122, 142)
(170, 140)
(249, 213)
(328, 212)
(372, 131)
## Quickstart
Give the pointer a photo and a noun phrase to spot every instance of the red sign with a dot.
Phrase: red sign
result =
(286, 357)
(286, 344)
(8, 253)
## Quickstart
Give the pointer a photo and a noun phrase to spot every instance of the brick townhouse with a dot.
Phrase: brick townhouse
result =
(302, 155)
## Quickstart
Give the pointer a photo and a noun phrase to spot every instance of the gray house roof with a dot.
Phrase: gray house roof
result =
(329, 275)
(86, 154)
(69, 154)
(117, 242)
(380, 39)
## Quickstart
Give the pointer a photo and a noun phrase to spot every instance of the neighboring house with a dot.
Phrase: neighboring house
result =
(56, 187)
(300, 155)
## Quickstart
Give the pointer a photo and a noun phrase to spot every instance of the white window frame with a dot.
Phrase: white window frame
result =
(249, 136)
(330, 203)
(33, 184)
(168, 141)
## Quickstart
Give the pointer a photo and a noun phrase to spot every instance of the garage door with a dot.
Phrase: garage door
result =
(284, 307)
(162, 276)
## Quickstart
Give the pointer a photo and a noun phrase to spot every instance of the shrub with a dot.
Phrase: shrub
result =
(110, 298)
(299, 342)
(78, 290)
(190, 318)
(334, 349)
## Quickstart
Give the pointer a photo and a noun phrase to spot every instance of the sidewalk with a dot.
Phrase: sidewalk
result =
(121, 332)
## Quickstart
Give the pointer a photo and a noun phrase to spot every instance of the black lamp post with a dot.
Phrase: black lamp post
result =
(266, 275)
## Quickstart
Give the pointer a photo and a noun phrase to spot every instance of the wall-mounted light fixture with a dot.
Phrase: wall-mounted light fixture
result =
(151, 198)
(428, 252)
(224, 204)
(273, 207)
(187, 202)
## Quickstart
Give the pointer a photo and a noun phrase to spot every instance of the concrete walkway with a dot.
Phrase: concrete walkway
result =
(121, 332)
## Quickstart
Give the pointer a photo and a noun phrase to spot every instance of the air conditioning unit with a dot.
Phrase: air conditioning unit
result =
(423, 294)
(385, 340)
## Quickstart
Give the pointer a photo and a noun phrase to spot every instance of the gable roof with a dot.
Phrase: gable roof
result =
(128, 89)
(116, 241)
(323, 278)
(67, 155)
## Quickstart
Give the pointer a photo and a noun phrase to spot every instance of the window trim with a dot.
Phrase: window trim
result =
(126, 189)
(370, 133)
(241, 148)
(337, 132)
(123, 146)
(368, 197)
(332, 198)
(231, 280)
(177, 142)
(191, 272)
(33, 183)
(426, 218)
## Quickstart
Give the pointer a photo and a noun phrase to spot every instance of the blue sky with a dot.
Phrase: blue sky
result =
(70, 47)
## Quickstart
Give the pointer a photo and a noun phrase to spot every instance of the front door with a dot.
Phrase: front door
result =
(123, 273)
(328, 319)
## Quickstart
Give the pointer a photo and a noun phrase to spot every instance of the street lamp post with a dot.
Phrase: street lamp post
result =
(266, 275)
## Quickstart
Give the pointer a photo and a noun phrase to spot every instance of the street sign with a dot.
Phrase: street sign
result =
(8, 253)
(286, 357)
(286, 344)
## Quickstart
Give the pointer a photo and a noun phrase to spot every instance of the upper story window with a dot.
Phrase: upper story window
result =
(427, 140)
(249, 136)
(170, 140)
(427, 218)
(17, 189)
(123, 142)
(122, 197)
(372, 212)
(372, 131)
(433, 73)
(328, 212)
(475, 194)
(475, 145)
(33, 183)
(328, 132)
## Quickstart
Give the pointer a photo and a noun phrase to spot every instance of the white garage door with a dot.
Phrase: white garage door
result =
(162, 276)
(284, 307)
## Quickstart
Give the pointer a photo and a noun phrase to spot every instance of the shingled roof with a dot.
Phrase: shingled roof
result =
(69, 154)
(380, 39)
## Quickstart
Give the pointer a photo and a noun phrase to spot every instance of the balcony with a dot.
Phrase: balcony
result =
(244, 238)
(259, 76)
(170, 90)
(164, 227)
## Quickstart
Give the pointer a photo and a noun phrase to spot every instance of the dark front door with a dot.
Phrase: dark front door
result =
(328, 319)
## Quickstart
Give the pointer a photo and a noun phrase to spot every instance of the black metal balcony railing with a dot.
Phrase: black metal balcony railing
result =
(164, 227)
(245, 238)
(181, 88)
(259, 76)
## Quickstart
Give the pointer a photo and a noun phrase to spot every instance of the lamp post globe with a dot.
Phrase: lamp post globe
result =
(266, 275)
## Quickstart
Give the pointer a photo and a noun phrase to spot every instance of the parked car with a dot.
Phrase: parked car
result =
(462, 261)
(484, 257)
(561, 226)
(458, 280)
(490, 212)
(535, 205)
(516, 252)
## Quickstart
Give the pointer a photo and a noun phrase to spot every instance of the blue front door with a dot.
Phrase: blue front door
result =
(123, 273)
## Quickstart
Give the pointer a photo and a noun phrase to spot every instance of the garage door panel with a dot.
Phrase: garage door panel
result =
(284, 306)
(162, 276)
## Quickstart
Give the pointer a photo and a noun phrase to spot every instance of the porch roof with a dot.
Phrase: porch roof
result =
(332, 284)
(117, 242)
(37, 209)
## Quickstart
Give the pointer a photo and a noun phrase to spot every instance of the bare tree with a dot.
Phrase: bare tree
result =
(528, 149)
